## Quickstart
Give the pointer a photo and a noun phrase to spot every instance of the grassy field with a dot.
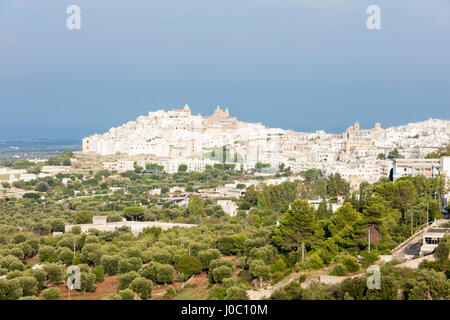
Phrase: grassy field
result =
(192, 294)
(197, 289)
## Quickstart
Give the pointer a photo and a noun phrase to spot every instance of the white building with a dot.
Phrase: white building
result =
(119, 166)
(177, 136)
(100, 224)
(229, 207)
(431, 239)
(415, 167)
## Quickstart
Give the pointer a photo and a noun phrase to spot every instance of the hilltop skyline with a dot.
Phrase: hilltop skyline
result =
(104, 127)
(294, 65)
(179, 136)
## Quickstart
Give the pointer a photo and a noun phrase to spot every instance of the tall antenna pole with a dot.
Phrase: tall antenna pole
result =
(369, 239)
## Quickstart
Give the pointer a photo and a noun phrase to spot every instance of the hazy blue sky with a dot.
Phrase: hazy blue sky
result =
(298, 64)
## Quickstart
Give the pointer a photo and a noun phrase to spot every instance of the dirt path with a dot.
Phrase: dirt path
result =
(403, 248)
(107, 286)
(320, 276)
(200, 281)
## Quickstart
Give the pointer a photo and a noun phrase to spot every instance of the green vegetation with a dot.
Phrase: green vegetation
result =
(394, 154)
(189, 266)
(442, 152)
(277, 233)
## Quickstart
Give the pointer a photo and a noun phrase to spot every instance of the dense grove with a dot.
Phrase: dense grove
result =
(276, 233)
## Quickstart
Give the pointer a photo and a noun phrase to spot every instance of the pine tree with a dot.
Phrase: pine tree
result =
(297, 227)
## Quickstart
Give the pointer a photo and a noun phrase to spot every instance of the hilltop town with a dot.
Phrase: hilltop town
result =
(179, 137)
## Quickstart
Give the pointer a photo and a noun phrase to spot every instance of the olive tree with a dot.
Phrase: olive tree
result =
(51, 294)
(110, 264)
(142, 287)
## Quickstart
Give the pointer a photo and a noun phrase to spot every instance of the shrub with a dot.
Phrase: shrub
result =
(265, 253)
(206, 256)
(164, 273)
(91, 239)
(87, 282)
(221, 273)
(370, 258)
(442, 250)
(180, 277)
(65, 255)
(16, 265)
(47, 253)
(236, 293)
(76, 230)
(110, 264)
(18, 238)
(315, 262)
(51, 294)
(112, 296)
(339, 270)
(225, 244)
(29, 298)
(130, 264)
(92, 253)
(302, 278)
(161, 256)
(170, 291)
(14, 274)
(54, 272)
(10, 289)
(388, 290)
(5, 262)
(76, 260)
(217, 294)
(291, 291)
(142, 287)
(40, 275)
(312, 262)
(126, 279)
(84, 267)
(278, 266)
(355, 287)
(397, 261)
(189, 265)
(29, 285)
(228, 282)
(127, 294)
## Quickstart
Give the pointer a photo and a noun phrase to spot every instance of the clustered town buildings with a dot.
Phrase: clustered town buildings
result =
(178, 137)
(12, 175)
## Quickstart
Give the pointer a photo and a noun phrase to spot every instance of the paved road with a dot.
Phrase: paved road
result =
(410, 248)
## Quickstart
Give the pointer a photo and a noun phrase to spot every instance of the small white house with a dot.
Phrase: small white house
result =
(431, 239)
(229, 207)
(99, 219)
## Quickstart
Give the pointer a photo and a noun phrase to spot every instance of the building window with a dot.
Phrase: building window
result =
(429, 240)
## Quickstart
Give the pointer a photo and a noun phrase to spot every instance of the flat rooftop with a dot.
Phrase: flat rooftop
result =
(439, 230)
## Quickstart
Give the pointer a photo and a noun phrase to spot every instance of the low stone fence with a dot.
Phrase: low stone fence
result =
(136, 226)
